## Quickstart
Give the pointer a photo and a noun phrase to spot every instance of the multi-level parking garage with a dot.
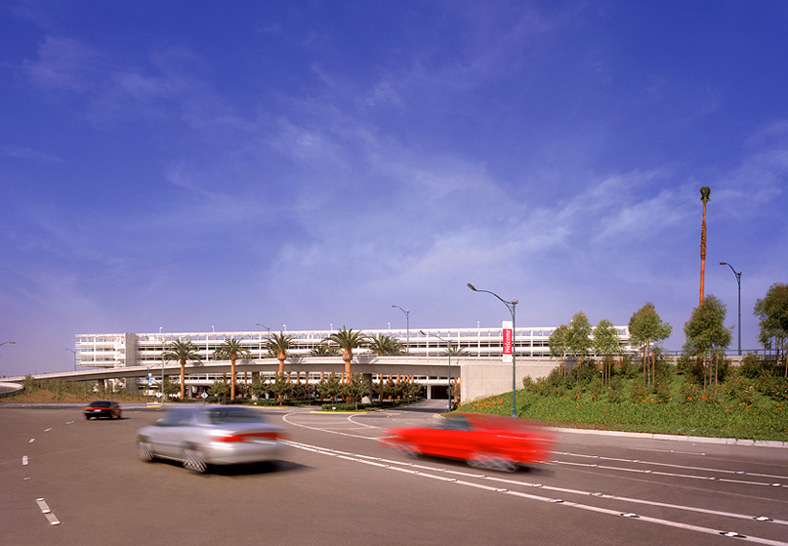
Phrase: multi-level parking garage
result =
(423, 361)
(147, 349)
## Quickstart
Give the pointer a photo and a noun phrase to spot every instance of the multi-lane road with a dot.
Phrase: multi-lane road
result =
(66, 480)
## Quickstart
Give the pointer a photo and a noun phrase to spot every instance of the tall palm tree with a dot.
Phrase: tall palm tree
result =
(182, 351)
(278, 345)
(705, 196)
(324, 350)
(347, 341)
(231, 350)
(384, 345)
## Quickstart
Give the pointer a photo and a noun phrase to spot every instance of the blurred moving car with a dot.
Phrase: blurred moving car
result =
(102, 408)
(483, 441)
(199, 436)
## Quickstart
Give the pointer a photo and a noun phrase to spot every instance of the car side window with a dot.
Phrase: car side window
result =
(457, 423)
(174, 419)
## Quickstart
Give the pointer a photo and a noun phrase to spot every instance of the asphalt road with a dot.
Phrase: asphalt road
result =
(336, 485)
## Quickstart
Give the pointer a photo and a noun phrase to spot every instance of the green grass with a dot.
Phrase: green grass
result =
(710, 413)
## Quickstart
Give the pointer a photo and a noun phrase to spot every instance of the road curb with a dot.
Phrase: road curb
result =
(672, 437)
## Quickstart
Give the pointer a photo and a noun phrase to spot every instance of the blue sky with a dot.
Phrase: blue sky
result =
(195, 164)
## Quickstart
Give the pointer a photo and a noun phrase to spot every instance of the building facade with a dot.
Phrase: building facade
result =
(147, 349)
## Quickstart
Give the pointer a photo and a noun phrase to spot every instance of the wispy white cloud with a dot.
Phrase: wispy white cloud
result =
(28, 153)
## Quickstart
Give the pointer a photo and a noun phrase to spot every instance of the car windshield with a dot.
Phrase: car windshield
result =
(99, 404)
(219, 416)
(454, 422)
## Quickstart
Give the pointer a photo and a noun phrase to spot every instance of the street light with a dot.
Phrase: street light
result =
(511, 307)
(407, 328)
(75, 357)
(161, 339)
(8, 343)
(448, 352)
(261, 336)
(738, 282)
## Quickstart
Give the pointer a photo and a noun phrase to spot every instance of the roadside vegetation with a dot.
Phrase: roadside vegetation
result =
(746, 402)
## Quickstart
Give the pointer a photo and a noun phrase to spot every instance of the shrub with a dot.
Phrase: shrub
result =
(638, 391)
(340, 406)
(615, 390)
(776, 387)
(627, 370)
(690, 391)
(741, 389)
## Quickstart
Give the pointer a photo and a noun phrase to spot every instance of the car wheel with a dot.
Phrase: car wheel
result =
(194, 460)
(145, 450)
(411, 450)
(491, 461)
(87, 417)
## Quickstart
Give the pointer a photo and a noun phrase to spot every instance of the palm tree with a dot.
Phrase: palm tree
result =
(455, 350)
(324, 350)
(347, 341)
(278, 345)
(384, 345)
(231, 350)
(182, 351)
(705, 196)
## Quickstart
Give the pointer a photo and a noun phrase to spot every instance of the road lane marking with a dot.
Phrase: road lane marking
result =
(667, 474)
(47, 511)
(417, 469)
(670, 465)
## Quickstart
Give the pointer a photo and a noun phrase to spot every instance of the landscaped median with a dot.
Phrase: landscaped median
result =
(676, 406)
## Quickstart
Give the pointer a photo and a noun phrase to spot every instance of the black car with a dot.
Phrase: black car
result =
(102, 408)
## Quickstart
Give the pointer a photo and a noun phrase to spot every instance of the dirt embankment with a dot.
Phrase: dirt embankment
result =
(47, 397)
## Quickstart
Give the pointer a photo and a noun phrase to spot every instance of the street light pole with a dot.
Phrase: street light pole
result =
(269, 336)
(407, 328)
(8, 343)
(448, 352)
(161, 340)
(738, 282)
(75, 357)
(511, 306)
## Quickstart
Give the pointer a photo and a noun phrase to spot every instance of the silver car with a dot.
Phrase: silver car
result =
(211, 435)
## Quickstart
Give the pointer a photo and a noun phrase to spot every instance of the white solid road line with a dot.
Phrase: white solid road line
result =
(416, 470)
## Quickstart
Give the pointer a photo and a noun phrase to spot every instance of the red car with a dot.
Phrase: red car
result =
(484, 441)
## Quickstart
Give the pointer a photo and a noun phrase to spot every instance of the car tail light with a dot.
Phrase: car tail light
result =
(250, 437)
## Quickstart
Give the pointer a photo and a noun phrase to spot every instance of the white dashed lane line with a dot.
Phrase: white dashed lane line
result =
(42, 504)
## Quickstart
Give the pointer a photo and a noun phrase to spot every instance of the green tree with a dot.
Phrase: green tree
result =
(182, 351)
(259, 386)
(170, 387)
(606, 344)
(219, 388)
(329, 387)
(347, 340)
(772, 312)
(578, 335)
(383, 345)
(645, 329)
(707, 335)
(558, 345)
(355, 389)
(232, 350)
(281, 387)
